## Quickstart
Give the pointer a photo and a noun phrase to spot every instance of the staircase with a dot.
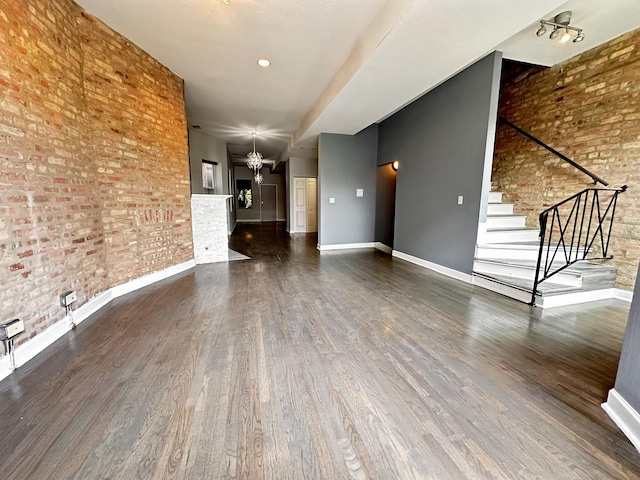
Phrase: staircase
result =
(506, 258)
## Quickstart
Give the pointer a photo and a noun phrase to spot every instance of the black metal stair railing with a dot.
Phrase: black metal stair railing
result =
(596, 179)
(577, 228)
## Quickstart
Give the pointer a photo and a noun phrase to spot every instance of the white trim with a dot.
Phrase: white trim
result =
(204, 195)
(383, 248)
(145, 280)
(566, 299)
(449, 272)
(345, 246)
(624, 416)
(44, 339)
(498, 287)
(482, 230)
(623, 295)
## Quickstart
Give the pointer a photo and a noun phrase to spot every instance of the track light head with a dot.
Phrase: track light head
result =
(560, 24)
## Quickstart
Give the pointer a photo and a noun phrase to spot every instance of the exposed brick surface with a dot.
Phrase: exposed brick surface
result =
(588, 108)
(94, 181)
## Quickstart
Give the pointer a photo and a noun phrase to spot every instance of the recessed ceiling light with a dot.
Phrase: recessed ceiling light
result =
(226, 1)
(264, 62)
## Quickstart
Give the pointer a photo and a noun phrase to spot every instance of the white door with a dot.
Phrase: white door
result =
(299, 205)
(312, 214)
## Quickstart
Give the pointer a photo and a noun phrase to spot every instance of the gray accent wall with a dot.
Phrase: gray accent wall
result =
(441, 141)
(628, 377)
(206, 147)
(345, 164)
(241, 172)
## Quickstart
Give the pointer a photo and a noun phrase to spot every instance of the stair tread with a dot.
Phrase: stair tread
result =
(512, 229)
(504, 215)
(524, 245)
(579, 268)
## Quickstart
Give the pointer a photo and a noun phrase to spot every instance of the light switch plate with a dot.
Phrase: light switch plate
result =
(460, 198)
(359, 192)
(332, 200)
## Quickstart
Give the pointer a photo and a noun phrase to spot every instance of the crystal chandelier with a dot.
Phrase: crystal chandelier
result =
(254, 161)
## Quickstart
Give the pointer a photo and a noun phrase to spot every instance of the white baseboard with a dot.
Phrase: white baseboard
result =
(154, 277)
(383, 248)
(449, 272)
(345, 246)
(32, 347)
(624, 416)
(564, 300)
(624, 295)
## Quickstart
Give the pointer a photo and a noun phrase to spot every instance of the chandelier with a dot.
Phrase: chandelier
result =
(254, 161)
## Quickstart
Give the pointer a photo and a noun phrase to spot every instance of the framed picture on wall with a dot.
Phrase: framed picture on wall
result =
(208, 175)
(245, 196)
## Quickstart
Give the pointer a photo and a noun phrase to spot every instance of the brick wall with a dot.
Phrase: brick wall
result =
(588, 108)
(94, 181)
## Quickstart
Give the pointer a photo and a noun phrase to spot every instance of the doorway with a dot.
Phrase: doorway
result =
(268, 203)
(305, 213)
(385, 205)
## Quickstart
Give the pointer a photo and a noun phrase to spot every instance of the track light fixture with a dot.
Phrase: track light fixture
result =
(560, 24)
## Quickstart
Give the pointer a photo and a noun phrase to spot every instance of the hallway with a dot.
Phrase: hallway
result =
(296, 364)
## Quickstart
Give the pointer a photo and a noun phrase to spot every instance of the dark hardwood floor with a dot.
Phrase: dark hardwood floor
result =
(297, 364)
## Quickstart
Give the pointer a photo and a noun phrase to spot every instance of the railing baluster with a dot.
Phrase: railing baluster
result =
(584, 209)
(576, 215)
(613, 212)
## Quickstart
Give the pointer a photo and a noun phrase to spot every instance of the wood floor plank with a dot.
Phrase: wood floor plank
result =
(298, 364)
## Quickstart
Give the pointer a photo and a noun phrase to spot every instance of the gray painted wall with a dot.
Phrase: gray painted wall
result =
(385, 204)
(628, 378)
(441, 141)
(253, 214)
(346, 163)
(202, 146)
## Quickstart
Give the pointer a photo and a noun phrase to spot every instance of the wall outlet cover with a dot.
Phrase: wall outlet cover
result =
(359, 192)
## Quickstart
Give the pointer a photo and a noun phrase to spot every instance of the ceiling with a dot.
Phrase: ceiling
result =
(337, 66)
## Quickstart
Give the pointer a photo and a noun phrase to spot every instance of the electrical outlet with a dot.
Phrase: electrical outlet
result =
(67, 298)
(11, 329)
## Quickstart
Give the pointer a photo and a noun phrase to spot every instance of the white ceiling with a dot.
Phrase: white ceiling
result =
(338, 65)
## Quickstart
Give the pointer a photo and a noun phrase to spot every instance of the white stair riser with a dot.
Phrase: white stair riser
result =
(500, 209)
(518, 271)
(502, 289)
(514, 221)
(495, 197)
(506, 236)
(507, 253)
